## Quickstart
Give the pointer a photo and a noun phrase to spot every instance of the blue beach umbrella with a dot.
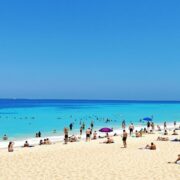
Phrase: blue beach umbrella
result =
(147, 119)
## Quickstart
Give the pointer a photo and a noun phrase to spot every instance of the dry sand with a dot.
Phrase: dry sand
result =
(95, 161)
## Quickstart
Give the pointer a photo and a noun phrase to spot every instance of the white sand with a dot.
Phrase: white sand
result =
(84, 161)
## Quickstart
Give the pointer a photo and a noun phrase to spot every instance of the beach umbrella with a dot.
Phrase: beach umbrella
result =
(147, 119)
(106, 130)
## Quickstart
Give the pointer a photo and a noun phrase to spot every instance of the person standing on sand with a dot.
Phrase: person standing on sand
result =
(88, 134)
(65, 135)
(148, 126)
(124, 138)
(174, 124)
(131, 128)
(10, 147)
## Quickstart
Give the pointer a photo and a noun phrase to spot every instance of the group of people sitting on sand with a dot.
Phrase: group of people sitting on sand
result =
(73, 138)
(45, 142)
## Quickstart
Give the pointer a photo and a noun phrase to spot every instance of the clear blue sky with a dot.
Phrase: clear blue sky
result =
(90, 49)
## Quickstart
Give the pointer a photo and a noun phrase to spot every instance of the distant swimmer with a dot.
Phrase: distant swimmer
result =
(54, 131)
(5, 137)
(92, 124)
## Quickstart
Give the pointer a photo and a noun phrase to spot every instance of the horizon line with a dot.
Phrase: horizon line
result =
(64, 99)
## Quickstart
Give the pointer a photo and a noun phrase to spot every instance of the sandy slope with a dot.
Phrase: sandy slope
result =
(93, 161)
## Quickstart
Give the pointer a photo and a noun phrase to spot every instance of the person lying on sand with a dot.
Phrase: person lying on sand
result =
(151, 147)
(73, 138)
(177, 161)
(174, 133)
(176, 140)
(109, 140)
(101, 137)
(162, 139)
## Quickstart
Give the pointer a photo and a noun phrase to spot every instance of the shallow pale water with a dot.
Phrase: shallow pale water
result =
(23, 118)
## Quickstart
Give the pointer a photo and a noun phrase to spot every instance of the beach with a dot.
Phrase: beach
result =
(94, 160)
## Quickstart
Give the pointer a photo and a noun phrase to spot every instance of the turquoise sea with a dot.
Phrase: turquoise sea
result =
(23, 118)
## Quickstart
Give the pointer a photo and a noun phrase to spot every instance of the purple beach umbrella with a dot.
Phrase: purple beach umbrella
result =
(106, 130)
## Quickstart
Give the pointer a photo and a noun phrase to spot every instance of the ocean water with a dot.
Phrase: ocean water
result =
(23, 118)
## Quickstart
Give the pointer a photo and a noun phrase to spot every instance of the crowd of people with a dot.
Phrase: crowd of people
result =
(91, 134)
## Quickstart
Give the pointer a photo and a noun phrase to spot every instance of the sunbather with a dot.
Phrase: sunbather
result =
(162, 139)
(151, 147)
(174, 133)
(109, 140)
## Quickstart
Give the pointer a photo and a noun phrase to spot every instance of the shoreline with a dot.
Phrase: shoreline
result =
(57, 139)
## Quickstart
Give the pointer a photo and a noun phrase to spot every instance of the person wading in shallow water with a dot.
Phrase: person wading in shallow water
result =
(131, 128)
(71, 126)
(123, 124)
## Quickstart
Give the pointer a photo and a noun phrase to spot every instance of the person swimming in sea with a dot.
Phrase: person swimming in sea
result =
(5, 138)
(123, 124)
(92, 124)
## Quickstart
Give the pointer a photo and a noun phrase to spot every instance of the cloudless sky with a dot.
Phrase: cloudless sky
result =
(90, 49)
